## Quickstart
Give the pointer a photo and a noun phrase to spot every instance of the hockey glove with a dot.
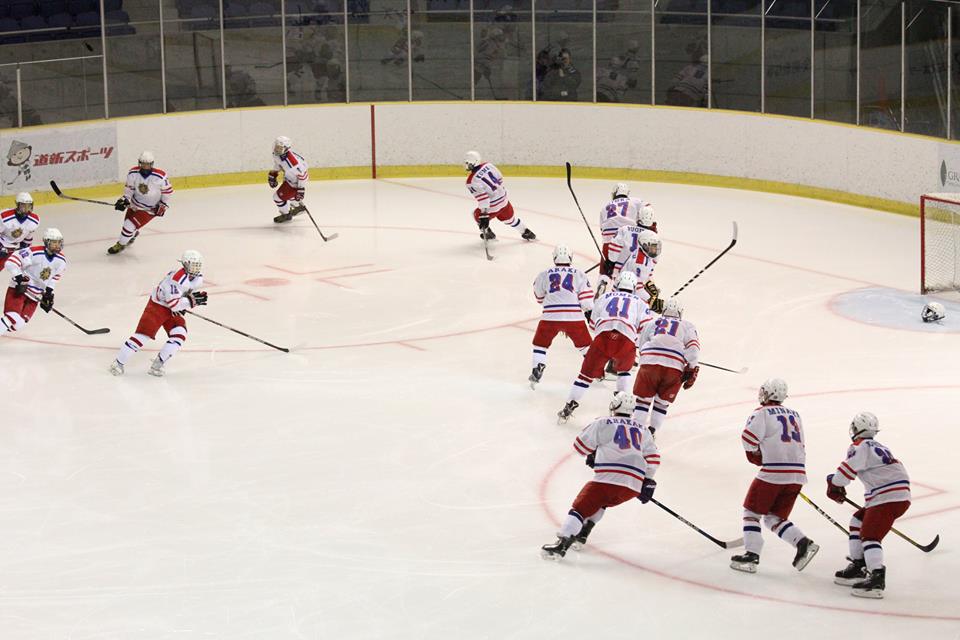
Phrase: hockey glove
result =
(20, 284)
(835, 493)
(272, 179)
(588, 315)
(484, 222)
(652, 289)
(656, 305)
(591, 459)
(122, 204)
(161, 209)
(299, 195)
(755, 457)
(608, 266)
(689, 376)
(46, 300)
(646, 492)
(197, 298)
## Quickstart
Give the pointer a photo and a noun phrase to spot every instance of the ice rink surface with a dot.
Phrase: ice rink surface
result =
(394, 476)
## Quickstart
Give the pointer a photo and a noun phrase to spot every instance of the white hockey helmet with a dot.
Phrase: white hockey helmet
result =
(281, 145)
(25, 199)
(146, 160)
(773, 390)
(646, 217)
(622, 404)
(932, 311)
(620, 190)
(53, 240)
(864, 425)
(192, 262)
(627, 281)
(650, 243)
(672, 308)
(471, 160)
(562, 255)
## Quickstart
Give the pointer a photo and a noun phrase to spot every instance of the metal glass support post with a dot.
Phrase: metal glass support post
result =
(409, 53)
(223, 60)
(346, 50)
(19, 98)
(813, 57)
(949, 71)
(533, 48)
(103, 50)
(903, 64)
(163, 60)
(594, 50)
(653, 52)
(709, 54)
(283, 45)
(858, 59)
(473, 79)
(763, 56)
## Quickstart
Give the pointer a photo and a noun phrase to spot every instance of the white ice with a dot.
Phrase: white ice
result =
(394, 476)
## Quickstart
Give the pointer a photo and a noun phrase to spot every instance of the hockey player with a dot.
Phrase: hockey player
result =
(485, 183)
(886, 496)
(932, 312)
(35, 272)
(567, 298)
(637, 249)
(669, 358)
(624, 459)
(621, 211)
(773, 440)
(17, 226)
(617, 318)
(293, 168)
(178, 292)
(146, 196)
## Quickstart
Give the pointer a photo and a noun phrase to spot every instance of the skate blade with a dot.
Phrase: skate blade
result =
(746, 567)
(805, 560)
(578, 546)
(546, 555)
(848, 582)
(876, 594)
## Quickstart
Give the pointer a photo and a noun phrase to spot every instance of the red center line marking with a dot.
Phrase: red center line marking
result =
(411, 346)
(242, 293)
(350, 275)
(307, 273)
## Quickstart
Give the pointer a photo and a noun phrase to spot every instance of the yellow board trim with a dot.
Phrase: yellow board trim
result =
(112, 191)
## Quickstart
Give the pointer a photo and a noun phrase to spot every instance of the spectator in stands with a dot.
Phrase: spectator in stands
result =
(242, 90)
(562, 80)
(689, 88)
(489, 56)
(398, 52)
(612, 81)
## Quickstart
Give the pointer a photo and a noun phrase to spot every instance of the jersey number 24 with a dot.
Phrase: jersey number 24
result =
(555, 283)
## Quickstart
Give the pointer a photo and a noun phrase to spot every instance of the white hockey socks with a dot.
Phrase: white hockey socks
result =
(580, 386)
(283, 206)
(856, 545)
(873, 555)
(623, 381)
(641, 411)
(571, 525)
(539, 356)
(11, 322)
(752, 536)
(788, 532)
(133, 344)
(516, 223)
(178, 335)
(128, 232)
(659, 413)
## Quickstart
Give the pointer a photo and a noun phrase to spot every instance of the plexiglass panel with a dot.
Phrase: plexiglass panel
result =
(880, 24)
(926, 61)
(377, 45)
(787, 50)
(680, 52)
(736, 49)
(503, 50)
(835, 60)
(441, 50)
(624, 41)
(316, 70)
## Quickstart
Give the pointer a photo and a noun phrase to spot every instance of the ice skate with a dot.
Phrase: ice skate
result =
(283, 217)
(296, 210)
(536, 374)
(855, 572)
(806, 549)
(487, 234)
(873, 585)
(528, 235)
(156, 368)
(116, 248)
(556, 550)
(116, 368)
(581, 538)
(564, 414)
(746, 562)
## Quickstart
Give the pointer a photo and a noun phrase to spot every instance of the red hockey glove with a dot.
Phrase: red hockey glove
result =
(161, 209)
(755, 457)
(299, 195)
(646, 492)
(272, 179)
(835, 493)
(690, 376)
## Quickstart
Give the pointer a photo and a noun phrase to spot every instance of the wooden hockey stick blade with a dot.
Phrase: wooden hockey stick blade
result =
(486, 249)
(332, 236)
(933, 545)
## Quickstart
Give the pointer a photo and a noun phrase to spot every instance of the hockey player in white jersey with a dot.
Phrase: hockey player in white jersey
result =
(17, 226)
(637, 249)
(35, 272)
(886, 497)
(292, 168)
(485, 184)
(146, 195)
(774, 441)
(566, 296)
(622, 211)
(618, 316)
(624, 459)
(178, 292)
(669, 358)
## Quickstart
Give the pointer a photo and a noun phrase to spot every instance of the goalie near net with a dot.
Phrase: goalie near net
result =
(939, 242)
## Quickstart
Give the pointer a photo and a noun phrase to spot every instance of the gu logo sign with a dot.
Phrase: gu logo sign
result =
(950, 173)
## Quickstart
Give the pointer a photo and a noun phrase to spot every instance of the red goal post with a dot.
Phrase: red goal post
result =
(939, 242)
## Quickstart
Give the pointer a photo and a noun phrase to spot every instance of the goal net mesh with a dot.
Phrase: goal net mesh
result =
(940, 269)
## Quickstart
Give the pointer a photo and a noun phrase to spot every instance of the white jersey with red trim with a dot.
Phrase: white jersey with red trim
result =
(625, 451)
(147, 193)
(670, 342)
(620, 311)
(778, 433)
(293, 168)
(173, 289)
(619, 212)
(564, 292)
(628, 256)
(884, 477)
(485, 184)
(17, 233)
(42, 269)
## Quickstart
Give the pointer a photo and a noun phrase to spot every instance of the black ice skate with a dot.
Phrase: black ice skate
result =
(528, 235)
(581, 538)
(488, 234)
(564, 414)
(873, 586)
(536, 374)
(556, 550)
(283, 217)
(806, 549)
(855, 572)
(746, 562)
(297, 209)
(116, 248)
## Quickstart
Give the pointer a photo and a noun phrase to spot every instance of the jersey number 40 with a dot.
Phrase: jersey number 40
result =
(624, 441)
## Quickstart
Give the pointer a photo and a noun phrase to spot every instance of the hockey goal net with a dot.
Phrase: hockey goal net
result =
(940, 242)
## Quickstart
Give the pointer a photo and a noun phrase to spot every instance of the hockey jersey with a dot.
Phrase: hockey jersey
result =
(625, 451)
(884, 477)
(485, 184)
(669, 342)
(42, 269)
(628, 256)
(173, 289)
(146, 194)
(17, 233)
(619, 212)
(620, 311)
(293, 168)
(565, 293)
(778, 433)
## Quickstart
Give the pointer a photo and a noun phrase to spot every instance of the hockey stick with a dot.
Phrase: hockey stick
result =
(709, 264)
(720, 543)
(824, 514)
(328, 238)
(715, 366)
(486, 247)
(89, 332)
(592, 268)
(925, 548)
(246, 335)
(61, 194)
(577, 202)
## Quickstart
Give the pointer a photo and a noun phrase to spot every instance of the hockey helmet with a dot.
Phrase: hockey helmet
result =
(622, 404)
(24, 203)
(53, 241)
(773, 390)
(672, 308)
(281, 145)
(932, 311)
(649, 243)
(472, 160)
(192, 262)
(646, 217)
(627, 281)
(620, 190)
(864, 425)
(562, 255)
